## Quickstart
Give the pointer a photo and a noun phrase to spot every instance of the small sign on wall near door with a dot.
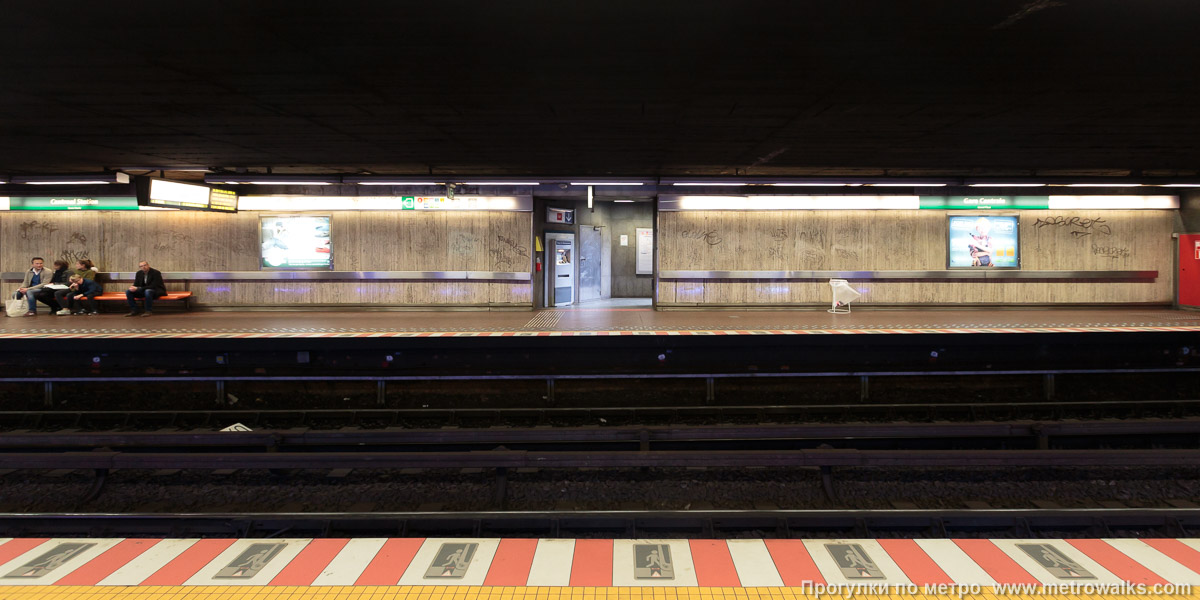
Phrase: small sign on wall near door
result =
(625, 242)
(645, 251)
(564, 216)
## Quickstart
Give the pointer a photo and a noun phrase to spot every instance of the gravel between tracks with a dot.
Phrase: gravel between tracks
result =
(634, 489)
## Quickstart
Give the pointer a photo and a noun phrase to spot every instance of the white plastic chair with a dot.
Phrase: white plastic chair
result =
(843, 295)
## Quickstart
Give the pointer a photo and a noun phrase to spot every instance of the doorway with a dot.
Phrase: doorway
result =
(591, 264)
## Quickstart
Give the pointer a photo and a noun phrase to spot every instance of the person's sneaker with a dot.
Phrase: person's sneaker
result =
(31, 314)
(133, 314)
(147, 313)
(94, 312)
(64, 311)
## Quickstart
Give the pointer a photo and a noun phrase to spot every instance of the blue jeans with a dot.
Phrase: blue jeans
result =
(30, 297)
(148, 293)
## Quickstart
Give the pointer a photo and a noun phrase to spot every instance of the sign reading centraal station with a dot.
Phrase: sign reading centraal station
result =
(72, 203)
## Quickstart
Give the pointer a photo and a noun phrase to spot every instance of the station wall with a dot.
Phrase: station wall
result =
(362, 241)
(909, 240)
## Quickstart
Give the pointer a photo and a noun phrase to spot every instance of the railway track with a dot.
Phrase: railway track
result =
(1020, 523)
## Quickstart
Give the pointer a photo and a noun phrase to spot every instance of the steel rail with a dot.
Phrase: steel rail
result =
(557, 377)
(302, 437)
(505, 459)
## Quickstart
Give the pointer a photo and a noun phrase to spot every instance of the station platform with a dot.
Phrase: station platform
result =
(567, 568)
(598, 322)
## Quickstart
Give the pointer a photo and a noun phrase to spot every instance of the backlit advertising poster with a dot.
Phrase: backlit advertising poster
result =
(295, 242)
(984, 241)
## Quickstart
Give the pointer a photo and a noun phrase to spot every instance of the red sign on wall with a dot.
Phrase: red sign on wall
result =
(1189, 269)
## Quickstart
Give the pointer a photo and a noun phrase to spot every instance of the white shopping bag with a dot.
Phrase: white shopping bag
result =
(17, 308)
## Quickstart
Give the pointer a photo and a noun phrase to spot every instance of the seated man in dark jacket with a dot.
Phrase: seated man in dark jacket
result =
(147, 284)
(84, 296)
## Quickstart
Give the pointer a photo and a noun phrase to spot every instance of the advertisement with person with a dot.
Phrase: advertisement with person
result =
(985, 241)
(296, 242)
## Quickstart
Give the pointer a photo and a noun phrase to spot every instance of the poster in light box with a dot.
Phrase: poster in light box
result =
(984, 242)
(296, 242)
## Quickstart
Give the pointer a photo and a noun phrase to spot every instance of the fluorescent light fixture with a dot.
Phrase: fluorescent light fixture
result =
(1113, 202)
(270, 179)
(389, 179)
(501, 183)
(669, 203)
(622, 200)
(712, 183)
(1006, 185)
(1181, 185)
(80, 182)
(286, 203)
(395, 183)
(907, 184)
(283, 182)
(82, 179)
(1103, 184)
(814, 184)
(608, 183)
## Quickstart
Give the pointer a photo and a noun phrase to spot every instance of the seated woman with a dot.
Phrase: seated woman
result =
(85, 270)
(84, 297)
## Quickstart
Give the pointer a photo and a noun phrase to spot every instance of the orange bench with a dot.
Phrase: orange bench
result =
(175, 295)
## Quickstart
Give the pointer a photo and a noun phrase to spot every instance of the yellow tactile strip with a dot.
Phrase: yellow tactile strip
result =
(533, 593)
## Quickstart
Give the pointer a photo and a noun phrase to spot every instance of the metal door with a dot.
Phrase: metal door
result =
(591, 253)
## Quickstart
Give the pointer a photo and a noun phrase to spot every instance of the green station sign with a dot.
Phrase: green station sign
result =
(72, 203)
(985, 202)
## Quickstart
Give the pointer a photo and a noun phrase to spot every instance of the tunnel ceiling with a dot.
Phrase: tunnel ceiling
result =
(592, 87)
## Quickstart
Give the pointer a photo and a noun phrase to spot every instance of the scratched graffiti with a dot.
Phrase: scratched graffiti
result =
(73, 256)
(780, 234)
(513, 246)
(845, 253)
(463, 243)
(1078, 227)
(710, 237)
(35, 228)
(171, 240)
(1113, 252)
(816, 237)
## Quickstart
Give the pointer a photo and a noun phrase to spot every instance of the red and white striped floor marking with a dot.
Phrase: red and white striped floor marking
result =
(552, 563)
(416, 572)
(311, 561)
(549, 562)
(390, 562)
(955, 563)
(348, 566)
(1031, 566)
(753, 563)
(149, 562)
(512, 563)
(75, 561)
(892, 574)
(207, 574)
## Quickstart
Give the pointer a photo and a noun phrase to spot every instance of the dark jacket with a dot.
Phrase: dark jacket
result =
(150, 279)
(88, 288)
(61, 276)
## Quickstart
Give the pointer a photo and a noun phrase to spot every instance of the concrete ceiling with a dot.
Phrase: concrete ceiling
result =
(649, 87)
